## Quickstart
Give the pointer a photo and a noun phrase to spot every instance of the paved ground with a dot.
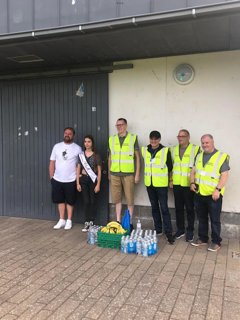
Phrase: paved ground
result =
(50, 274)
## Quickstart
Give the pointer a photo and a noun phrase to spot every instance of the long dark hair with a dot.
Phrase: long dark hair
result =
(90, 137)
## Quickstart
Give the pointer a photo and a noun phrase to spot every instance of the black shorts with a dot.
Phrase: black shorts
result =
(64, 192)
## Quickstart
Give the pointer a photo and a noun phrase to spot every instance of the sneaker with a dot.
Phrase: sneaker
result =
(198, 243)
(189, 237)
(158, 231)
(170, 238)
(68, 225)
(91, 224)
(61, 224)
(86, 227)
(179, 234)
(214, 247)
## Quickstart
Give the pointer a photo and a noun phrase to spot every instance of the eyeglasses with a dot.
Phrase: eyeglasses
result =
(182, 136)
(120, 125)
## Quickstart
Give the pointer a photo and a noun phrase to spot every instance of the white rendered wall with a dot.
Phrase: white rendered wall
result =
(150, 99)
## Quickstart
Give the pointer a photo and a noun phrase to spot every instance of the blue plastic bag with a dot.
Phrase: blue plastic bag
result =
(126, 220)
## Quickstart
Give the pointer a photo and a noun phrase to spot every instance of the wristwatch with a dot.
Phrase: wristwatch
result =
(219, 189)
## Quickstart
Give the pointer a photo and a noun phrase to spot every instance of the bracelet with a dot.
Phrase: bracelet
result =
(192, 183)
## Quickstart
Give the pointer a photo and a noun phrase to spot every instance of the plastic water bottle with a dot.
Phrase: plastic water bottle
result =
(139, 246)
(96, 228)
(134, 244)
(144, 248)
(125, 250)
(149, 247)
(91, 236)
(122, 243)
(130, 246)
(139, 226)
(155, 245)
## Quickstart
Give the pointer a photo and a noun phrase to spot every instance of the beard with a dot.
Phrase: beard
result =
(67, 139)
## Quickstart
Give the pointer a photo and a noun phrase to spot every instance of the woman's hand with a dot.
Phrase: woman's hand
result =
(79, 189)
(97, 188)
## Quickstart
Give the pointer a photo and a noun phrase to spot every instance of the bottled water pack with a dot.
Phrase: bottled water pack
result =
(139, 242)
(92, 234)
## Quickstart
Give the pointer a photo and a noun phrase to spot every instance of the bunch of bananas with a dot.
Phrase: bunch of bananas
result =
(113, 227)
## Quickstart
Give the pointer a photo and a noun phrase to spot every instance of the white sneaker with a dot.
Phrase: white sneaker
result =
(90, 224)
(68, 225)
(61, 224)
(86, 226)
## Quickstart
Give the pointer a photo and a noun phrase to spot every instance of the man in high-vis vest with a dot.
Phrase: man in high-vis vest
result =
(208, 178)
(183, 157)
(157, 166)
(124, 167)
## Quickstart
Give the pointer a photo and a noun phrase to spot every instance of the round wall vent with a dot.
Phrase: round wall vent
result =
(183, 74)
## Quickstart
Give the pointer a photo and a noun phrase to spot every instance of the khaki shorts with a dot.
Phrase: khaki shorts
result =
(120, 184)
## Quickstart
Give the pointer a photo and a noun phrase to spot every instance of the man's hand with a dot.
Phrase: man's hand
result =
(137, 178)
(193, 187)
(216, 195)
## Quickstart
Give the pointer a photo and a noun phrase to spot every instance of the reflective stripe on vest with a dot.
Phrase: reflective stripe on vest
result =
(182, 167)
(207, 177)
(155, 171)
(122, 157)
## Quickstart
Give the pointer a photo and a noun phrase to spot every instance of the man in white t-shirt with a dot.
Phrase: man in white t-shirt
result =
(62, 172)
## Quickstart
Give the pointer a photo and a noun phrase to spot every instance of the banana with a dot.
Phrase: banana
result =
(113, 224)
(113, 227)
(104, 229)
(121, 230)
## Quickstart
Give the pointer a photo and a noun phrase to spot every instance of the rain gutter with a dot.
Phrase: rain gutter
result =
(229, 8)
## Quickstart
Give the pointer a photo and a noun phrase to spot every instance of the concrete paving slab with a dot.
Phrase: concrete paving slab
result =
(55, 274)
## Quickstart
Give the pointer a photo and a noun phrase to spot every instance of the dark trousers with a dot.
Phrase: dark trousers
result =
(207, 207)
(158, 197)
(89, 198)
(184, 198)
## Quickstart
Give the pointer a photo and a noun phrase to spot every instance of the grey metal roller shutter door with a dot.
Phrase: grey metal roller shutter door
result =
(33, 116)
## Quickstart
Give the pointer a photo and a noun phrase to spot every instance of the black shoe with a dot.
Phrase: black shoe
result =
(170, 238)
(179, 234)
(189, 237)
(131, 228)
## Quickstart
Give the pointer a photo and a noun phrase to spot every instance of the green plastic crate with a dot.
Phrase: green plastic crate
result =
(110, 240)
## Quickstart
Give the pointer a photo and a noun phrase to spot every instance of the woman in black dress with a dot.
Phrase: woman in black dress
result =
(89, 180)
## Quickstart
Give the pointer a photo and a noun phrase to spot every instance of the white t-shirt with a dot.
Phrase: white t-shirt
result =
(66, 159)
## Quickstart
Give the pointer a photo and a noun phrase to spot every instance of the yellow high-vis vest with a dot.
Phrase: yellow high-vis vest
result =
(155, 170)
(122, 157)
(207, 177)
(182, 167)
